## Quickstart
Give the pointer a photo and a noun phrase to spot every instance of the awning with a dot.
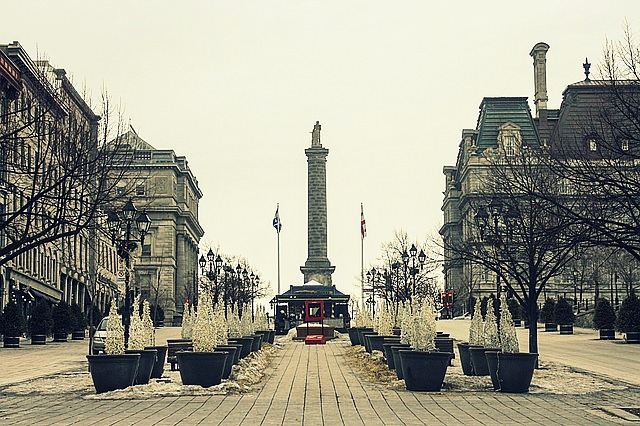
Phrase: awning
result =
(35, 293)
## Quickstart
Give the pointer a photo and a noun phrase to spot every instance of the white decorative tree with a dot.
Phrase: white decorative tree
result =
(186, 331)
(491, 334)
(383, 323)
(508, 336)
(137, 334)
(234, 324)
(147, 323)
(406, 325)
(246, 325)
(204, 333)
(221, 326)
(476, 328)
(114, 342)
(425, 328)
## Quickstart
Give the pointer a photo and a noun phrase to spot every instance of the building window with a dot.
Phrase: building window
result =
(509, 139)
(510, 145)
(593, 145)
(140, 189)
(120, 191)
(142, 155)
(625, 145)
(146, 250)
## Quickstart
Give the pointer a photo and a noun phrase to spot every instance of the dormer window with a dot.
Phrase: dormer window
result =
(593, 144)
(509, 139)
(625, 145)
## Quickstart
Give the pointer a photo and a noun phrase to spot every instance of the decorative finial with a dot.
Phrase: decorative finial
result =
(315, 135)
(586, 67)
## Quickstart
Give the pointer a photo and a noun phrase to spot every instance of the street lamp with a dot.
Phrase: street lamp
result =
(413, 253)
(121, 236)
(215, 264)
(495, 212)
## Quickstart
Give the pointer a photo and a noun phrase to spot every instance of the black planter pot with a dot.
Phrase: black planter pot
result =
(465, 358)
(234, 353)
(272, 336)
(492, 363)
(479, 361)
(517, 322)
(396, 331)
(566, 328)
(77, 335)
(550, 326)
(388, 353)
(231, 353)
(38, 339)
(257, 342)
(11, 341)
(161, 359)
(201, 368)
(265, 336)
(607, 334)
(60, 337)
(360, 331)
(397, 361)
(145, 365)
(515, 371)
(365, 340)
(632, 337)
(353, 336)
(424, 371)
(376, 341)
(246, 343)
(111, 372)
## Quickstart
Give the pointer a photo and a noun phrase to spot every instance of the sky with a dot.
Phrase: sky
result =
(236, 86)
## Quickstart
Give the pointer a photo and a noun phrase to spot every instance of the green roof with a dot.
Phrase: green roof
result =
(495, 112)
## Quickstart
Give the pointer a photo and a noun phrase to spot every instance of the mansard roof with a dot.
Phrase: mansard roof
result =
(494, 112)
(312, 290)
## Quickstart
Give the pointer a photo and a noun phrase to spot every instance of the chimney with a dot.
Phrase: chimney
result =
(539, 55)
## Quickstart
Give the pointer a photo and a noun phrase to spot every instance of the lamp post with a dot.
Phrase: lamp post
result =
(575, 291)
(121, 236)
(215, 264)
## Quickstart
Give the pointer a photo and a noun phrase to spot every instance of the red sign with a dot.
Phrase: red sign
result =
(313, 310)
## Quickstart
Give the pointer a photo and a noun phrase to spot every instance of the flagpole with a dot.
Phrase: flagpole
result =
(362, 256)
(278, 262)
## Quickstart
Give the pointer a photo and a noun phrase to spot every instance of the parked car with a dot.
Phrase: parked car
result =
(100, 336)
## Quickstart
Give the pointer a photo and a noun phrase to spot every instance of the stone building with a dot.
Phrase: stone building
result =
(505, 125)
(38, 104)
(161, 183)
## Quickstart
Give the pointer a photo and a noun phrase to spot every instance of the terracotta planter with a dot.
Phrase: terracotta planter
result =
(145, 365)
(424, 371)
(111, 372)
(161, 359)
(607, 334)
(38, 339)
(201, 368)
(515, 371)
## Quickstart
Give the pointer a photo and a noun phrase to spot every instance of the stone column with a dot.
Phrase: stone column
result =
(317, 267)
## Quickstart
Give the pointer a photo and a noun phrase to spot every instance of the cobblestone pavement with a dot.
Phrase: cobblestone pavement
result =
(314, 385)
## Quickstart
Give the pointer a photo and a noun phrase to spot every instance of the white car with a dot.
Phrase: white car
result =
(100, 336)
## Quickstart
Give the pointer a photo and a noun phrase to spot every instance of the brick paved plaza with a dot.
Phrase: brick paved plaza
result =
(314, 385)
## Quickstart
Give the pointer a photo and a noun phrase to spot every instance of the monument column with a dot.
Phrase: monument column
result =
(317, 267)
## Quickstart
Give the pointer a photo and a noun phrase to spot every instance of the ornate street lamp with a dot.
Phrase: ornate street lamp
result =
(215, 265)
(121, 236)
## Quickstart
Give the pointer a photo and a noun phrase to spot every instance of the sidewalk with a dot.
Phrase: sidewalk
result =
(312, 385)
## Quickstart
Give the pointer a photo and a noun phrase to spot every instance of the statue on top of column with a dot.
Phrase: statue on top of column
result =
(315, 135)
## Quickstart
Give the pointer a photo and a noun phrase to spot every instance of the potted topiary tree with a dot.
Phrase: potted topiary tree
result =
(604, 319)
(563, 314)
(547, 315)
(476, 333)
(78, 322)
(40, 323)
(490, 342)
(204, 366)
(11, 325)
(514, 369)
(61, 322)
(114, 369)
(150, 343)
(139, 337)
(424, 368)
(515, 311)
(629, 318)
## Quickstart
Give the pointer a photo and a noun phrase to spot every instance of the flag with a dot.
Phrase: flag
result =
(276, 220)
(363, 224)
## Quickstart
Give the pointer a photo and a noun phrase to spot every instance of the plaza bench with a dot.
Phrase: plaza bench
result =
(174, 346)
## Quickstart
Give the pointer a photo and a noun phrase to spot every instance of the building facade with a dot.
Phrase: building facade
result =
(161, 183)
(506, 125)
(38, 108)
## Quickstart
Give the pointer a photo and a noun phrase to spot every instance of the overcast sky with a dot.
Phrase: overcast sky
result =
(236, 87)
